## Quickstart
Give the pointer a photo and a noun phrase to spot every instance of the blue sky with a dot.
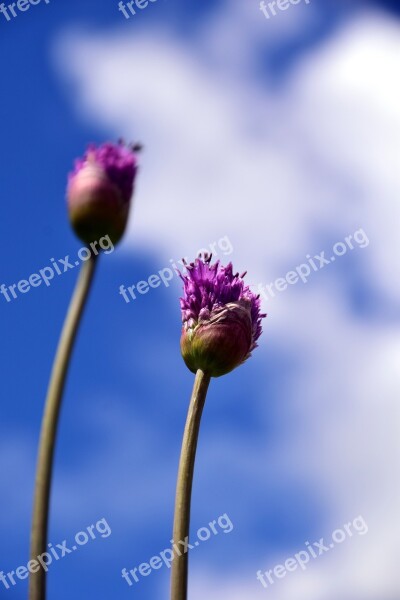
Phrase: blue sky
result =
(281, 136)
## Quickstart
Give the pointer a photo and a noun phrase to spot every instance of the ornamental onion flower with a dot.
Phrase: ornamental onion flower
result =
(98, 195)
(99, 191)
(221, 326)
(221, 318)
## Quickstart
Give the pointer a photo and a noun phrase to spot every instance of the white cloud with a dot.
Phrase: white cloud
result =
(279, 171)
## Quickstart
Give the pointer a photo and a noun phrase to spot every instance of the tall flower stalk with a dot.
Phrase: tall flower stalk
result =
(37, 582)
(221, 325)
(179, 579)
(98, 196)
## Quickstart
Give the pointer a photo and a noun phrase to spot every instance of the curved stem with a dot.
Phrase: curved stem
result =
(37, 582)
(179, 574)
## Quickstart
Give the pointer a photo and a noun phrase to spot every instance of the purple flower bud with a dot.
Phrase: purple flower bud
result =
(221, 318)
(99, 191)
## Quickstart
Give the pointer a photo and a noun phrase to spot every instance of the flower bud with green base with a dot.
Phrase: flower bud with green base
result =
(221, 325)
(221, 318)
(98, 196)
(99, 192)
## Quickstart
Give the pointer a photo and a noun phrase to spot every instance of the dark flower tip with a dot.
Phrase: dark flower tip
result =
(221, 317)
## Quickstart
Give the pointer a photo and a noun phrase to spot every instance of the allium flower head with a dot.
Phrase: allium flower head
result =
(99, 191)
(221, 318)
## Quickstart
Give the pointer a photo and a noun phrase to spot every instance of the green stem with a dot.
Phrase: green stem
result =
(179, 574)
(37, 582)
